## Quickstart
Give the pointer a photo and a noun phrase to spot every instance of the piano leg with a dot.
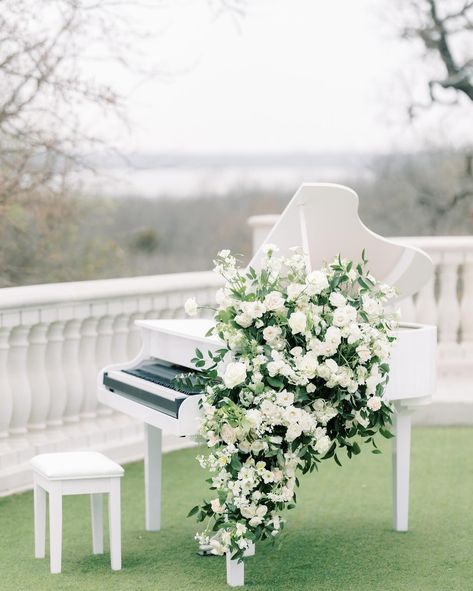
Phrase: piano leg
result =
(401, 461)
(153, 465)
(235, 572)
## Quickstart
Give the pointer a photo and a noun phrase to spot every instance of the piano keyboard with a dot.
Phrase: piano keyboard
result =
(152, 383)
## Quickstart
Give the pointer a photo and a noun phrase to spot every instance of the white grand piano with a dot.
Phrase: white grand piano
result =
(323, 220)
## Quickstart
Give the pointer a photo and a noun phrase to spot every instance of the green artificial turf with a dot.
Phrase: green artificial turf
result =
(338, 538)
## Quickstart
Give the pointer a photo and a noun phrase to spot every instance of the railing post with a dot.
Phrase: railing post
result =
(466, 309)
(448, 305)
(89, 367)
(18, 378)
(72, 371)
(39, 385)
(6, 401)
(57, 382)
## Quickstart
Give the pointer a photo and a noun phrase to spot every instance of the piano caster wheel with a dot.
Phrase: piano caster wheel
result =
(205, 550)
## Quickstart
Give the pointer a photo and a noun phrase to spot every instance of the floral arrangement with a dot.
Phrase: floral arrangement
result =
(301, 375)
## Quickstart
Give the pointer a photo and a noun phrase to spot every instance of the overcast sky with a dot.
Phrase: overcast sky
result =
(313, 75)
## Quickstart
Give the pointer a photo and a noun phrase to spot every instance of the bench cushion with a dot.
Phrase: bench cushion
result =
(75, 464)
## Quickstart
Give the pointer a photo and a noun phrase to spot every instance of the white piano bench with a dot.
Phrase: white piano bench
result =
(76, 473)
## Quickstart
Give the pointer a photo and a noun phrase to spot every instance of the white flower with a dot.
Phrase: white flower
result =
(254, 309)
(274, 301)
(222, 298)
(294, 290)
(310, 388)
(235, 374)
(285, 398)
(190, 307)
(374, 403)
(344, 315)
(372, 307)
(318, 281)
(254, 417)
(364, 422)
(337, 299)
(224, 254)
(228, 433)
(271, 333)
(364, 352)
(216, 506)
(293, 432)
(244, 320)
(323, 445)
(297, 322)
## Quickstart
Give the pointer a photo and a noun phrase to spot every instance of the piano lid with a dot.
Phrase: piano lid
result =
(323, 219)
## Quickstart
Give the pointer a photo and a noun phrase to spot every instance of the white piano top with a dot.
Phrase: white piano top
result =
(323, 219)
(196, 328)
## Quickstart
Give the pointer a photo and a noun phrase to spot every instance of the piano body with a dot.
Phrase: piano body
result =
(323, 220)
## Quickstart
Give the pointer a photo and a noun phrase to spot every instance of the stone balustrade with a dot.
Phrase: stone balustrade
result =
(55, 338)
(53, 341)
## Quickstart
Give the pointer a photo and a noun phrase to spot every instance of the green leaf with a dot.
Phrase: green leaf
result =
(193, 511)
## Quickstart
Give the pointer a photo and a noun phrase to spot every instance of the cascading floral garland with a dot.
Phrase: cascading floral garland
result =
(301, 375)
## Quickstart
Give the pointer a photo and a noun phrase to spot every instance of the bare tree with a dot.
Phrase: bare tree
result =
(445, 29)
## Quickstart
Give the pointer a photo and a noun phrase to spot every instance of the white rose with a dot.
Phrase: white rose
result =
(253, 309)
(190, 307)
(228, 433)
(337, 299)
(371, 306)
(235, 374)
(318, 281)
(274, 301)
(323, 445)
(244, 320)
(293, 432)
(344, 316)
(271, 333)
(216, 506)
(294, 290)
(222, 298)
(285, 398)
(354, 333)
(374, 403)
(297, 322)
(364, 352)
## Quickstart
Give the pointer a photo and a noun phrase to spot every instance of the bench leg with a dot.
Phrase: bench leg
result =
(96, 507)
(39, 521)
(55, 530)
(115, 524)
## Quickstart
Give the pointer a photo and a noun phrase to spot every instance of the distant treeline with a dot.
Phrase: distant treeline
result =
(91, 237)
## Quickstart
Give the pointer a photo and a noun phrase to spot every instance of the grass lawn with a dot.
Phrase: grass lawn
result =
(338, 538)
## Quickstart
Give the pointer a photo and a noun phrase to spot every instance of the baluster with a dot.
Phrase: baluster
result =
(120, 338)
(448, 306)
(38, 376)
(426, 306)
(134, 335)
(466, 308)
(104, 352)
(6, 401)
(57, 381)
(72, 371)
(89, 367)
(17, 375)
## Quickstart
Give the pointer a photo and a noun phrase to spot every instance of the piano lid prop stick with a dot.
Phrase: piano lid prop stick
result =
(304, 236)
